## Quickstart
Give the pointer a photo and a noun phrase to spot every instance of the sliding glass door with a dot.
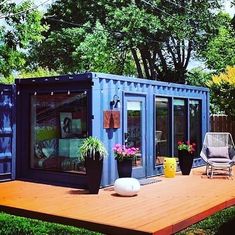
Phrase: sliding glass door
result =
(162, 131)
(180, 122)
(195, 124)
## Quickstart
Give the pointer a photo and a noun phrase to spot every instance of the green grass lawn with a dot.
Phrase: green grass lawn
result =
(221, 223)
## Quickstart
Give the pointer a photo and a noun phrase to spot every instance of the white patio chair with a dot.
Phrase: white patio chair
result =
(218, 152)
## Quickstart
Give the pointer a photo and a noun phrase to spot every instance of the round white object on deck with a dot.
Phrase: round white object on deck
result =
(127, 186)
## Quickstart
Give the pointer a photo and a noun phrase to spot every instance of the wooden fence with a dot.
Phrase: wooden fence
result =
(223, 123)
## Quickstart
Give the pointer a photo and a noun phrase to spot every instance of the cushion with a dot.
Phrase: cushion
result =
(219, 160)
(127, 186)
(217, 152)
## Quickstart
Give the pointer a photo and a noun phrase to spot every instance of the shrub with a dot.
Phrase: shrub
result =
(14, 225)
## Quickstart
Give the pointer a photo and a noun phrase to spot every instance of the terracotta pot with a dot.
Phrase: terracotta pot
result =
(185, 161)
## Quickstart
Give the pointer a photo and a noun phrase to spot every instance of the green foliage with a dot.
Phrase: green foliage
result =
(219, 223)
(198, 77)
(21, 26)
(220, 51)
(57, 50)
(91, 146)
(222, 88)
(39, 72)
(14, 225)
(157, 36)
(95, 54)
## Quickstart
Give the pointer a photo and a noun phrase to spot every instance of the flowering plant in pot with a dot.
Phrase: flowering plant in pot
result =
(93, 151)
(122, 152)
(124, 156)
(185, 155)
(186, 146)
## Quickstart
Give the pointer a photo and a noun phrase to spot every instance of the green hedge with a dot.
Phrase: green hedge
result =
(14, 225)
(221, 223)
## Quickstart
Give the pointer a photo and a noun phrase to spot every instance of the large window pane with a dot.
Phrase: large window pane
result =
(134, 127)
(162, 135)
(195, 124)
(180, 123)
(58, 127)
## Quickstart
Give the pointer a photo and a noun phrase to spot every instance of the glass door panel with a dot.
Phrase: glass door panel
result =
(162, 135)
(195, 125)
(180, 122)
(134, 129)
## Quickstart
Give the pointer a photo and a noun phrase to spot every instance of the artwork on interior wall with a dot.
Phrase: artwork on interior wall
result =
(70, 147)
(66, 124)
(76, 126)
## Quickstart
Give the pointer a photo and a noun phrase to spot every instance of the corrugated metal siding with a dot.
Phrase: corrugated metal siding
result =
(7, 133)
(106, 86)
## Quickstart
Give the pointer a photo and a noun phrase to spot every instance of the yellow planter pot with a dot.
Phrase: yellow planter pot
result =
(169, 167)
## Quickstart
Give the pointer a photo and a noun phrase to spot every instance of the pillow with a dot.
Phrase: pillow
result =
(217, 152)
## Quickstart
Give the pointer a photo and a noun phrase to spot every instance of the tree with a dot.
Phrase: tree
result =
(39, 72)
(198, 77)
(223, 90)
(161, 36)
(76, 50)
(21, 26)
(95, 54)
(220, 50)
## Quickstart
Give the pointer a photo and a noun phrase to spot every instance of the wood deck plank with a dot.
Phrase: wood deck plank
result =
(160, 208)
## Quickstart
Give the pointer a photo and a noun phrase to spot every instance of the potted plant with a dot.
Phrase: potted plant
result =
(124, 156)
(93, 151)
(185, 155)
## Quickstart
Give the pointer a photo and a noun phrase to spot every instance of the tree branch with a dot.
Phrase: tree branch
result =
(144, 60)
(188, 54)
(137, 63)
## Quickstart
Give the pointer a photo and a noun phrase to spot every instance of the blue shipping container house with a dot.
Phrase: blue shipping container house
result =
(44, 121)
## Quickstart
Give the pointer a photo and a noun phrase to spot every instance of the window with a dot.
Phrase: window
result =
(195, 124)
(187, 126)
(180, 123)
(162, 131)
(58, 126)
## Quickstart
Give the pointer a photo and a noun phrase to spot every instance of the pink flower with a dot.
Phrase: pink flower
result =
(121, 152)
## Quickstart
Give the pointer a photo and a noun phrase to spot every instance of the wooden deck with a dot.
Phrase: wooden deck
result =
(160, 208)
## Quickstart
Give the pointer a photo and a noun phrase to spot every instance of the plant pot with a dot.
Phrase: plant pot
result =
(94, 169)
(185, 161)
(124, 168)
